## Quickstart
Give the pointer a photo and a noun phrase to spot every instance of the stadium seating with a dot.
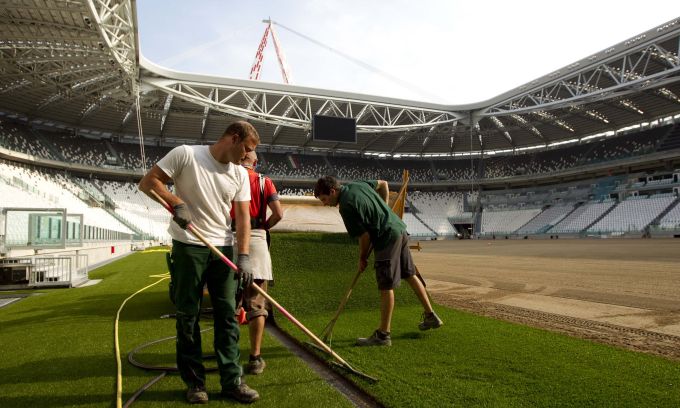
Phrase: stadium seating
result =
(507, 221)
(346, 168)
(130, 155)
(546, 219)
(296, 166)
(671, 221)
(26, 187)
(419, 170)
(79, 150)
(627, 145)
(136, 208)
(582, 217)
(19, 139)
(435, 210)
(505, 211)
(82, 150)
(633, 214)
(296, 192)
(459, 169)
(416, 228)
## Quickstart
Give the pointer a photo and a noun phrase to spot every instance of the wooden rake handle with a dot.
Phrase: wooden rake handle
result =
(276, 304)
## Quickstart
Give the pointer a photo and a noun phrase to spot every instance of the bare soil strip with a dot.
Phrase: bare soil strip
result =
(624, 293)
(646, 341)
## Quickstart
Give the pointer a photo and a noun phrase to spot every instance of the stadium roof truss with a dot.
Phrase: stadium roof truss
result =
(294, 109)
(77, 63)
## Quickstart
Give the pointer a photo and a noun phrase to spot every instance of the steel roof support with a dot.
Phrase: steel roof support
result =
(206, 113)
(614, 76)
(298, 107)
(115, 22)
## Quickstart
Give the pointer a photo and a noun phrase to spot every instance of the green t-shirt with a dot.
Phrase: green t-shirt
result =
(362, 209)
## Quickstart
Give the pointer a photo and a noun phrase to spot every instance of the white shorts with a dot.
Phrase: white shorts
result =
(260, 259)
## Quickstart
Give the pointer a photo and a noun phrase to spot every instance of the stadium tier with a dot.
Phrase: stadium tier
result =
(114, 154)
(604, 205)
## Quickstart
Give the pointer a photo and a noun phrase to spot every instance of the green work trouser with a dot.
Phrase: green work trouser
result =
(195, 266)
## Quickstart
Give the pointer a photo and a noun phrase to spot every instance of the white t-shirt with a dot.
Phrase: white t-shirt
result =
(207, 187)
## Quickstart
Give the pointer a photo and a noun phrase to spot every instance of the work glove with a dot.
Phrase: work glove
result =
(182, 216)
(245, 270)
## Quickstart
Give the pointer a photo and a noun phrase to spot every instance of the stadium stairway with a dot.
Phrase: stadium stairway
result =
(604, 214)
(580, 203)
(425, 224)
(125, 222)
(108, 208)
(663, 213)
(477, 220)
(48, 144)
(329, 165)
(585, 155)
(549, 227)
(262, 160)
(545, 207)
(415, 215)
(114, 153)
(383, 171)
(671, 140)
(434, 170)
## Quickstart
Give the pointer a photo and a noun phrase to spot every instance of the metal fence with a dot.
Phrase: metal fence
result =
(63, 270)
(58, 270)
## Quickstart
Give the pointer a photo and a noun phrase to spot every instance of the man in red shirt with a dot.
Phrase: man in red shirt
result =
(262, 195)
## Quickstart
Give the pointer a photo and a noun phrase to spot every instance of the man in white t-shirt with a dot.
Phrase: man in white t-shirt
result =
(207, 179)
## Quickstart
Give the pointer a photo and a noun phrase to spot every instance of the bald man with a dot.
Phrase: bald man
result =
(262, 195)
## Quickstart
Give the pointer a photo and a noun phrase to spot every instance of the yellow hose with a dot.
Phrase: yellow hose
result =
(119, 367)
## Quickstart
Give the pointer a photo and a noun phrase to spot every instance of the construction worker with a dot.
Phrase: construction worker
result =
(366, 215)
(263, 194)
(207, 180)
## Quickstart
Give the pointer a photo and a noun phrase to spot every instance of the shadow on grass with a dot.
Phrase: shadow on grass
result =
(167, 358)
(414, 335)
(50, 400)
(57, 369)
(148, 307)
(290, 382)
(165, 397)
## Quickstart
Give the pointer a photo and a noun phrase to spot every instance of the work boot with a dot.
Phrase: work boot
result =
(255, 365)
(197, 395)
(241, 393)
(378, 338)
(430, 321)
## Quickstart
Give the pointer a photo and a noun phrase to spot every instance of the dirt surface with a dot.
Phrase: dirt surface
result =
(622, 292)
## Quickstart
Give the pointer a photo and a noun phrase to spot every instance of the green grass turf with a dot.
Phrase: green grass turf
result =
(471, 360)
(57, 348)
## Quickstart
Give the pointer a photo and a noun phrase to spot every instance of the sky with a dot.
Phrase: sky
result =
(450, 52)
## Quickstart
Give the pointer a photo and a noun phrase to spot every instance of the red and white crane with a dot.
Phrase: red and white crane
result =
(257, 65)
(285, 71)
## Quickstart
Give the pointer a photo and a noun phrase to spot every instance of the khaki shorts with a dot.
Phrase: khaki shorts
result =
(394, 263)
(254, 303)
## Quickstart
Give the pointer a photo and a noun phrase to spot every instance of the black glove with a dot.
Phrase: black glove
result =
(182, 216)
(245, 270)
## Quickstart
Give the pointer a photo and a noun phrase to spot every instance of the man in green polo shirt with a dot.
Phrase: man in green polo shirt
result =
(364, 210)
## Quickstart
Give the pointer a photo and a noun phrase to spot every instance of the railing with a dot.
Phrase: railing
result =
(667, 228)
(58, 270)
